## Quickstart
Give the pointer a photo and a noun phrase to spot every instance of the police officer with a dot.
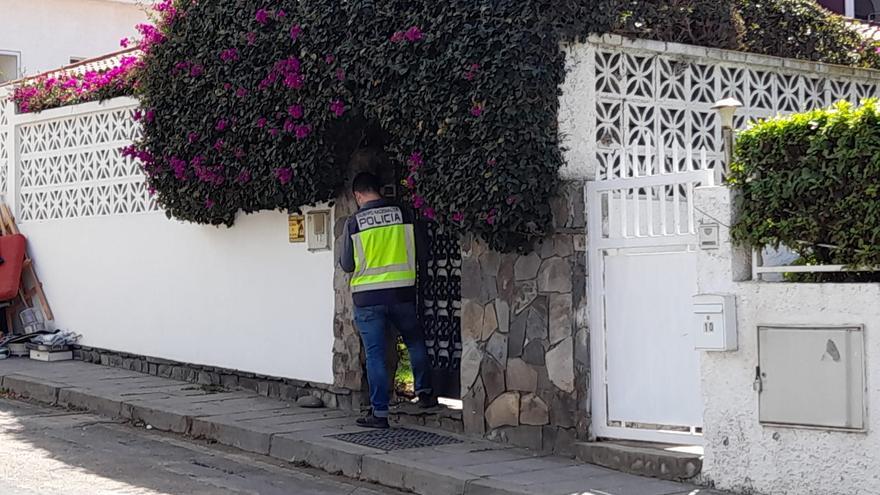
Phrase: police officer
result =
(380, 250)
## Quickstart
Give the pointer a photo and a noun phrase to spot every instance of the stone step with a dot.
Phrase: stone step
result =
(664, 461)
(441, 417)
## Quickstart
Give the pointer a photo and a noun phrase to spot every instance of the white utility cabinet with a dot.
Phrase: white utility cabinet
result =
(812, 376)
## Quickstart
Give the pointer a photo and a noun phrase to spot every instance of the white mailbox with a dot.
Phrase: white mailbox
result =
(715, 321)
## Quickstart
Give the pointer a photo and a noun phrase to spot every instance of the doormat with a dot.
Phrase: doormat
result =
(396, 439)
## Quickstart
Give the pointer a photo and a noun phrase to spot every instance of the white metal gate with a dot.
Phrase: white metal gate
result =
(642, 238)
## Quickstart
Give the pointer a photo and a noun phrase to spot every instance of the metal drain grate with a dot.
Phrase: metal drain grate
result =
(396, 439)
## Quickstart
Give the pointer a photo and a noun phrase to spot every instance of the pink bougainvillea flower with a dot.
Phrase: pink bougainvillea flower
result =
(251, 38)
(288, 65)
(490, 217)
(123, 42)
(458, 217)
(294, 81)
(71, 87)
(210, 174)
(197, 161)
(295, 111)
(167, 11)
(274, 132)
(243, 177)
(219, 144)
(329, 59)
(197, 70)
(337, 107)
(227, 86)
(289, 126)
(302, 131)
(410, 182)
(415, 161)
(477, 110)
(192, 137)
(137, 115)
(414, 34)
(222, 124)
(429, 213)
(239, 153)
(229, 55)
(262, 16)
(178, 166)
(281, 14)
(471, 74)
(397, 37)
(241, 92)
(418, 201)
(151, 191)
(284, 174)
(261, 122)
(150, 36)
(340, 74)
(295, 31)
(209, 203)
(150, 116)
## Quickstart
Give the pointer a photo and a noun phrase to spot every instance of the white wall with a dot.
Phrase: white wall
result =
(743, 455)
(47, 33)
(241, 298)
(117, 271)
(621, 93)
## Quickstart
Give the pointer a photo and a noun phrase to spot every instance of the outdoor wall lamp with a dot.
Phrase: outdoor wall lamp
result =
(726, 109)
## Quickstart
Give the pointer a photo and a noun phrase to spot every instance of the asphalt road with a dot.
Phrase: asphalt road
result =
(45, 451)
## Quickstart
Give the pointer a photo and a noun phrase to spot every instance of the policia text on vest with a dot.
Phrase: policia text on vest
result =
(384, 250)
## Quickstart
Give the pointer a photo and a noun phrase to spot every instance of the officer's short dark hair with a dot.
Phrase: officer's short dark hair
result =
(365, 182)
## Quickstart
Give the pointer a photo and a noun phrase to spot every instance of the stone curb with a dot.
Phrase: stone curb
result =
(311, 448)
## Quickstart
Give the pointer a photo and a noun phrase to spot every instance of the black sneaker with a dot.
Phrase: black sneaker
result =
(427, 401)
(370, 421)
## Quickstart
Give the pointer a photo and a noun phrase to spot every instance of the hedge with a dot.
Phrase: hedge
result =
(713, 23)
(811, 182)
(805, 30)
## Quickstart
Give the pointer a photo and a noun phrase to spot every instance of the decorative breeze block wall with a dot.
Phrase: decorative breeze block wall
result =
(71, 165)
(654, 97)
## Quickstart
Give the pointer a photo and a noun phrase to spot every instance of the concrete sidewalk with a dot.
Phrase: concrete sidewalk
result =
(304, 436)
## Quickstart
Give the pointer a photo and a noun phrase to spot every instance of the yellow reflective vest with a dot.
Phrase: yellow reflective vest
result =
(384, 250)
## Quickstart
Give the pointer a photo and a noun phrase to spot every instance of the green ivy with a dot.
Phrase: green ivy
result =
(809, 181)
(464, 93)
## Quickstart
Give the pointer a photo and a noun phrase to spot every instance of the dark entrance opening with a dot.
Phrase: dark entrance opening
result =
(439, 280)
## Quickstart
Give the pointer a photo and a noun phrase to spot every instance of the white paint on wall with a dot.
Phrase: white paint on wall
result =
(241, 298)
(576, 112)
(621, 94)
(740, 453)
(47, 33)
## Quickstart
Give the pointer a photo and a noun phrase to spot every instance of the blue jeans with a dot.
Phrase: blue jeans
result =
(371, 321)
